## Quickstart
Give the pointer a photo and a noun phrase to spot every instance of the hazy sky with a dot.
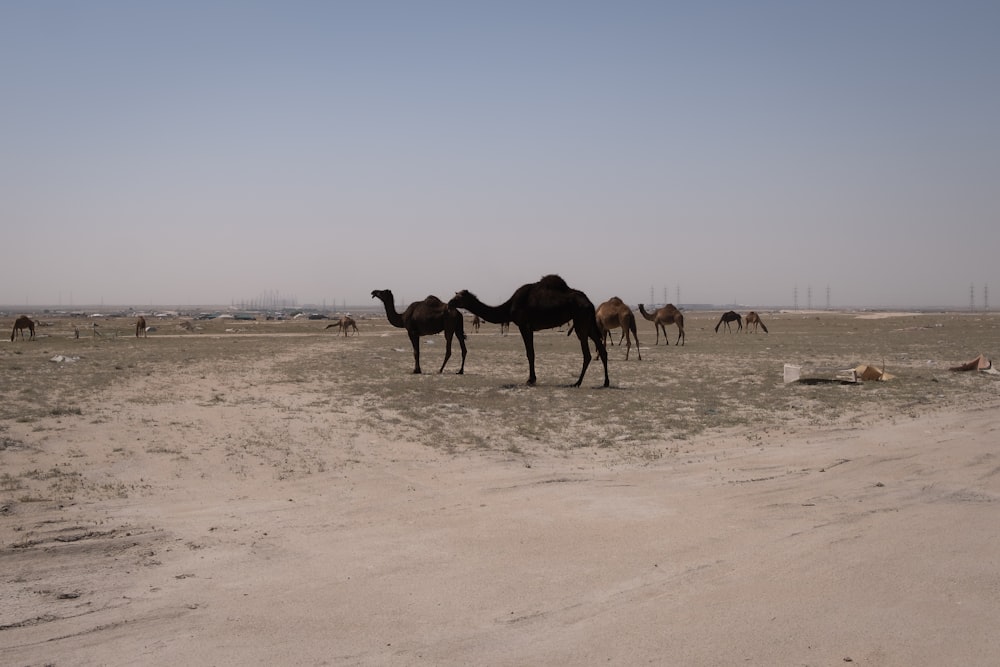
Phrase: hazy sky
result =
(183, 153)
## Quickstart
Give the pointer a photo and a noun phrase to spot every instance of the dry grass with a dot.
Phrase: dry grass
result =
(716, 382)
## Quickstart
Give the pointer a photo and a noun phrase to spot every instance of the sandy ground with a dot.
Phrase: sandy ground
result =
(870, 546)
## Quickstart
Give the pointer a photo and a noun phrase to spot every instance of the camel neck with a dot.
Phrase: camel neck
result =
(395, 319)
(492, 314)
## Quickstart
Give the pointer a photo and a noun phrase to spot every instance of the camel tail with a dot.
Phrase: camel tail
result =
(12, 333)
(762, 326)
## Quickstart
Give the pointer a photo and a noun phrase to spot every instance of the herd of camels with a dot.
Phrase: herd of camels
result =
(546, 304)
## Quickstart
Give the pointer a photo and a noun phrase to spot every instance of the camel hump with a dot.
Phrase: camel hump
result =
(552, 281)
(432, 300)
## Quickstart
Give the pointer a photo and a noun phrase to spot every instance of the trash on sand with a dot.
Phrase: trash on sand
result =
(870, 373)
(980, 363)
(61, 358)
(792, 373)
(862, 373)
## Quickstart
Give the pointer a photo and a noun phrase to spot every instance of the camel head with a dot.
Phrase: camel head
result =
(382, 294)
(462, 298)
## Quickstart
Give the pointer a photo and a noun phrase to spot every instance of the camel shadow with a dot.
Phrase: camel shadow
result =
(523, 385)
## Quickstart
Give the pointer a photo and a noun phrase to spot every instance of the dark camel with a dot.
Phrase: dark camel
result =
(547, 304)
(476, 323)
(615, 314)
(426, 318)
(20, 324)
(344, 323)
(668, 314)
(140, 327)
(754, 319)
(727, 317)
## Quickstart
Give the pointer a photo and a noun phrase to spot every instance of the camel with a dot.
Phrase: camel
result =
(476, 323)
(140, 327)
(727, 317)
(614, 314)
(668, 314)
(547, 304)
(20, 324)
(754, 319)
(344, 323)
(426, 318)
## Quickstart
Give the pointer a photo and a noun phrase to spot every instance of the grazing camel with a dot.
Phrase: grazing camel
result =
(754, 319)
(20, 324)
(727, 317)
(426, 318)
(547, 304)
(344, 323)
(668, 314)
(140, 327)
(614, 314)
(476, 323)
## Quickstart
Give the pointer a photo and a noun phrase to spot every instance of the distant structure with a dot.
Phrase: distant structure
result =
(271, 300)
(986, 297)
(972, 296)
(809, 297)
(828, 297)
(795, 298)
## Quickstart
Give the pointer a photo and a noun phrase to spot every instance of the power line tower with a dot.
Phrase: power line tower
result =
(828, 297)
(809, 297)
(678, 295)
(972, 296)
(795, 298)
(986, 297)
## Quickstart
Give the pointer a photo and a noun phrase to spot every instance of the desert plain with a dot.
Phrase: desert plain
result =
(271, 492)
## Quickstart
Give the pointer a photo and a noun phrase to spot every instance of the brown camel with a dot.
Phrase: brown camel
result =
(426, 318)
(547, 304)
(614, 314)
(668, 314)
(727, 317)
(20, 324)
(344, 323)
(476, 323)
(754, 319)
(140, 327)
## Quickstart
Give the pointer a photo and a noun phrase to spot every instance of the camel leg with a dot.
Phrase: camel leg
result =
(447, 351)
(415, 342)
(602, 352)
(529, 349)
(585, 347)
(461, 344)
